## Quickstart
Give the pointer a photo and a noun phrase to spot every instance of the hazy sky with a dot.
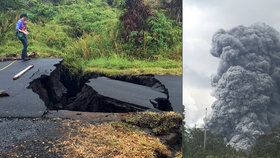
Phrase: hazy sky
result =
(202, 18)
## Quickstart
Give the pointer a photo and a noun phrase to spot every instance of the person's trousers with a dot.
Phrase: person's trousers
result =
(25, 45)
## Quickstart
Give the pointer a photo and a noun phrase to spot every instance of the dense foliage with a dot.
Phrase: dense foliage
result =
(266, 146)
(82, 31)
(174, 9)
(215, 146)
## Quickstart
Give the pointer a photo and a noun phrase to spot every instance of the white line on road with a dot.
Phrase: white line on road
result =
(7, 66)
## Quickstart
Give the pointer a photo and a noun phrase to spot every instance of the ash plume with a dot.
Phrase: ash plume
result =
(247, 83)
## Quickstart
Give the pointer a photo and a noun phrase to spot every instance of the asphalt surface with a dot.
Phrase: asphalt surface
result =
(23, 102)
(174, 85)
(125, 91)
(31, 138)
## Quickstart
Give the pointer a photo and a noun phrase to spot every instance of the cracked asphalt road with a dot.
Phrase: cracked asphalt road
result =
(174, 84)
(23, 102)
(25, 133)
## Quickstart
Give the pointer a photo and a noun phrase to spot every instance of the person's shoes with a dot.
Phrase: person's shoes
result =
(25, 59)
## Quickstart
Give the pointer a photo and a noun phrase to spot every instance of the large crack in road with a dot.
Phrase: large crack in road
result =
(98, 93)
(56, 88)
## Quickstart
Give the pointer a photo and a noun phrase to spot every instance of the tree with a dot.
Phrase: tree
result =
(174, 9)
(10, 5)
(215, 146)
(267, 145)
(134, 21)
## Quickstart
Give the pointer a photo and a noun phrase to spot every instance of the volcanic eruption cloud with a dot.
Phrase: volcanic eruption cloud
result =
(247, 84)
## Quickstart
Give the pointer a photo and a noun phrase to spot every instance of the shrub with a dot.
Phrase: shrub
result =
(6, 24)
(173, 9)
(74, 21)
(147, 33)
(10, 5)
(215, 146)
(134, 21)
(86, 19)
(159, 123)
(162, 34)
(42, 13)
(116, 3)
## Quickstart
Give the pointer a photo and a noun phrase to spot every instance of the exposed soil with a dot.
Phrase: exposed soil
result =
(16, 56)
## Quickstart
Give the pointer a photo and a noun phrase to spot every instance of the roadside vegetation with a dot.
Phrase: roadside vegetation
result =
(159, 123)
(110, 140)
(113, 36)
(215, 146)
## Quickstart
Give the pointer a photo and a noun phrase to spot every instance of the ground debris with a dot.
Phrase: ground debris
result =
(54, 138)
(15, 56)
(3, 93)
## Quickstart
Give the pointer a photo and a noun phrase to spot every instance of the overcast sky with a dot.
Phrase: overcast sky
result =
(202, 18)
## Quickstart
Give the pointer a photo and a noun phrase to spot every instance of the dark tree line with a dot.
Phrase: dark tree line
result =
(174, 9)
(266, 146)
(10, 5)
(134, 20)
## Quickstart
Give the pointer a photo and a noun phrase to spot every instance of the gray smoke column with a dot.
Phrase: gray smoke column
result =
(247, 83)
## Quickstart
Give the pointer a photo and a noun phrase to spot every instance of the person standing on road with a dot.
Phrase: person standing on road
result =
(21, 34)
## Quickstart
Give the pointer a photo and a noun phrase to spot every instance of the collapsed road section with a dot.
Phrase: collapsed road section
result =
(103, 94)
(51, 86)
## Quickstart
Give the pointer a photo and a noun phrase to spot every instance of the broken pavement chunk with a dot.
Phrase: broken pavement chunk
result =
(107, 95)
(3, 93)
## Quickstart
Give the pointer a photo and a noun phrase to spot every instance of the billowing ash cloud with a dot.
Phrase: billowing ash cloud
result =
(247, 83)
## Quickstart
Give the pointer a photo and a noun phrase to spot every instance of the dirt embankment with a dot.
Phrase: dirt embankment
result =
(79, 134)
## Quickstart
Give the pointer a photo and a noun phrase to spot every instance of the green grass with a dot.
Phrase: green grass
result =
(87, 35)
(121, 65)
(159, 123)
